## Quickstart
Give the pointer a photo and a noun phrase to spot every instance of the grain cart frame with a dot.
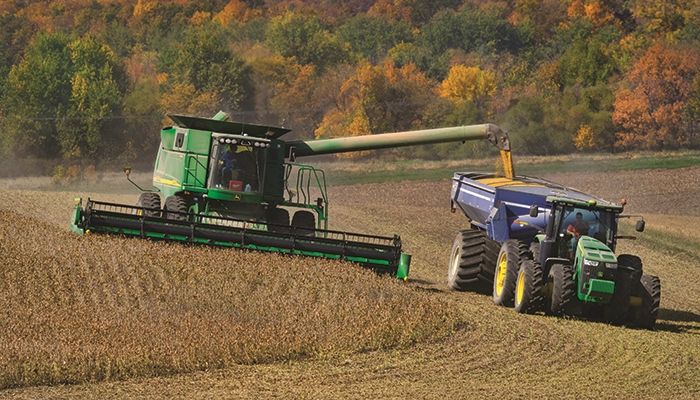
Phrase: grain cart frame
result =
(521, 243)
(231, 184)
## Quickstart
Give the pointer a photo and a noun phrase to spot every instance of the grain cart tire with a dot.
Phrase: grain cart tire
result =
(506, 273)
(176, 207)
(279, 218)
(563, 288)
(149, 200)
(528, 288)
(629, 272)
(304, 223)
(649, 289)
(471, 260)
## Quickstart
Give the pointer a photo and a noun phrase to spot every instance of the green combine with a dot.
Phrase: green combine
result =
(235, 185)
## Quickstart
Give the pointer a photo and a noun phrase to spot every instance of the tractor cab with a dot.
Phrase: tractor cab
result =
(572, 222)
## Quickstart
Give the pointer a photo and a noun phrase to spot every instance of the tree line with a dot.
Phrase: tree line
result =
(89, 81)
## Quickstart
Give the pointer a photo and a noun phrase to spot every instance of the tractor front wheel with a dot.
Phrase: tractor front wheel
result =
(563, 289)
(629, 272)
(649, 289)
(506, 273)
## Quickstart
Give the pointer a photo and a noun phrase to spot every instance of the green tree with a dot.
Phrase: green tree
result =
(371, 37)
(86, 129)
(305, 38)
(37, 92)
(204, 60)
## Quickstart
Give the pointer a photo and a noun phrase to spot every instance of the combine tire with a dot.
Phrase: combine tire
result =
(279, 220)
(304, 223)
(506, 273)
(563, 289)
(629, 272)
(472, 260)
(177, 207)
(528, 288)
(150, 201)
(649, 289)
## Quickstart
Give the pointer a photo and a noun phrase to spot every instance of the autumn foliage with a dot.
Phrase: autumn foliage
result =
(652, 104)
(89, 82)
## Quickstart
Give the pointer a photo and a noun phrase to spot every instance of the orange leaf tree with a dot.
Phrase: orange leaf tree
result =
(651, 107)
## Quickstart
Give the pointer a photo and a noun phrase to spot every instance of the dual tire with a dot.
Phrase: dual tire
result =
(303, 222)
(472, 260)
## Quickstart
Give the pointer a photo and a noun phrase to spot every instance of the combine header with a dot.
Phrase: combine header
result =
(230, 184)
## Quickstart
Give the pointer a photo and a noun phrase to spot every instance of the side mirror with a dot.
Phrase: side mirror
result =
(127, 171)
(534, 211)
(639, 227)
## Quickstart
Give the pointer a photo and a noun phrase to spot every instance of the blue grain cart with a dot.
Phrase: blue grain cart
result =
(541, 246)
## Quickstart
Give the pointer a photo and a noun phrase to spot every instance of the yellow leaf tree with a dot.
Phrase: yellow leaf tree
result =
(468, 84)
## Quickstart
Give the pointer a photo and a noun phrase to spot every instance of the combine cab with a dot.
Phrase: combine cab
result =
(235, 185)
(546, 247)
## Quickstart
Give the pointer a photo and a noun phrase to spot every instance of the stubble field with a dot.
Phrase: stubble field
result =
(421, 341)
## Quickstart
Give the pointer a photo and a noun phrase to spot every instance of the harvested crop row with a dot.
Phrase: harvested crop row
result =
(76, 309)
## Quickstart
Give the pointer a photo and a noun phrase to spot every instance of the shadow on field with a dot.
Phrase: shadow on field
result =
(671, 321)
(678, 315)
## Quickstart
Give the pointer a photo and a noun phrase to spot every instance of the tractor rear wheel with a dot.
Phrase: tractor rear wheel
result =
(563, 288)
(472, 260)
(177, 207)
(528, 288)
(649, 289)
(506, 273)
(150, 202)
(304, 223)
(629, 272)
(278, 218)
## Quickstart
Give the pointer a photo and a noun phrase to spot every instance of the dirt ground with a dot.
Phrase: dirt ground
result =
(499, 354)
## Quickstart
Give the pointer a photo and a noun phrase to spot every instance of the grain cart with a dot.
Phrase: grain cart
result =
(545, 247)
(231, 184)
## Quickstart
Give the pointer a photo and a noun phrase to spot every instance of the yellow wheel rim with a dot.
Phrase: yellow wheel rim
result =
(455, 263)
(501, 268)
(520, 288)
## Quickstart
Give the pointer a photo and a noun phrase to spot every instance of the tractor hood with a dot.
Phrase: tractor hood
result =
(592, 249)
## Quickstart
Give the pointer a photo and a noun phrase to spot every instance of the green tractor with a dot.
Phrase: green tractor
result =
(546, 247)
(230, 184)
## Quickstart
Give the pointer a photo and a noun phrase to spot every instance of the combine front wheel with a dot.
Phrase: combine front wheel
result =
(304, 223)
(506, 273)
(278, 218)
(177, 207)
(151, 204)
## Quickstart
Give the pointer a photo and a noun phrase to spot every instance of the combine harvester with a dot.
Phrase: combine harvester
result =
(230, 184)
(546, 247)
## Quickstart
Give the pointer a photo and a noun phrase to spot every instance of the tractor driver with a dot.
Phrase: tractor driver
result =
(576, 229)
